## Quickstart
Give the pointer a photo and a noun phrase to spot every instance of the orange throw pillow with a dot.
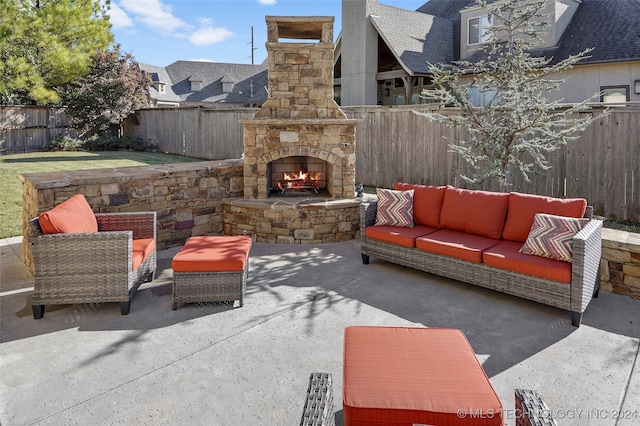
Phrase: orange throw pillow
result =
(427, 202)
(70, 217)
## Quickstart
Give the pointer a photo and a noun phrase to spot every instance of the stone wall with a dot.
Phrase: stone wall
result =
(187, 197)
(620, 264)
(305, 222)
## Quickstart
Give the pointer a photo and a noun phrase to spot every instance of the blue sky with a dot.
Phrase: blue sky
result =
(160, 32)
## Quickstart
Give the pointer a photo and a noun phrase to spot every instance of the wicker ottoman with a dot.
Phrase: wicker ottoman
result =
(407, 376)
(211, 269)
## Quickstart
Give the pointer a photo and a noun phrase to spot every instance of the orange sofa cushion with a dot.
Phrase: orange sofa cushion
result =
(427, 202)
(69, 217)
(405, 376)
(213, 254)
(523, 208)
(506, 255)
(401, 236)
(456, 244)
(140, 250)
(474, 212)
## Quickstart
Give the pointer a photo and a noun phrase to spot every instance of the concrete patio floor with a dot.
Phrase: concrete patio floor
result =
(215, 365)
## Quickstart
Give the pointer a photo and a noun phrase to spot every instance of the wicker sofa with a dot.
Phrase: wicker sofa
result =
(82, 257)
(475, 237)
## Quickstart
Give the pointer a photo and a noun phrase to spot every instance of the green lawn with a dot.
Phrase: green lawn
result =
(12, 166)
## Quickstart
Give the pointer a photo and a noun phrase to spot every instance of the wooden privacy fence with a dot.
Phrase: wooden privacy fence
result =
(30, 128)
(212, 134)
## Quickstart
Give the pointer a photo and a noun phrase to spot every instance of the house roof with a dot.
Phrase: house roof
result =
(248, 81)
(416, 39)
(611, 27)
(159, 75)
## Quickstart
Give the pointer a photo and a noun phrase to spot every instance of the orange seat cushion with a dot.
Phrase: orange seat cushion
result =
(213, 254)
(69, 217)
(427, 202)
(523, 208)
(407, 376)
(140, 250)
(402, 236)
(474, 212)
(456, 244)
(506, 255)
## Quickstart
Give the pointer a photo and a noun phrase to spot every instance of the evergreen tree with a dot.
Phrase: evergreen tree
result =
(518, 125)
(46, 44)
(112, 89)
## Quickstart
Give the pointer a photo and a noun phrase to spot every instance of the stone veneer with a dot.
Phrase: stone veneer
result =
(300, 116)
(620, 264)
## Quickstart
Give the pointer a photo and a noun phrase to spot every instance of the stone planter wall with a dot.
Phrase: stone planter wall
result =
(620, 264)
(187, 197)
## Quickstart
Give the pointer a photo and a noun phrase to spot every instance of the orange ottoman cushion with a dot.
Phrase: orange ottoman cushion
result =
(213, 254)
(406, 376)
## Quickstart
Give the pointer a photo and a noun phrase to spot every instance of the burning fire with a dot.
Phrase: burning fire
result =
(299, 181)
(301, 176)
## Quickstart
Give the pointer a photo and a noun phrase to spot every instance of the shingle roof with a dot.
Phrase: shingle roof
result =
(159, 74)
(611, 27)
(416, 39)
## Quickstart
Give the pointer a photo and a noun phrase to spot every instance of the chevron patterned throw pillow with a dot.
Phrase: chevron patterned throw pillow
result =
(552, 236)
(395, 208)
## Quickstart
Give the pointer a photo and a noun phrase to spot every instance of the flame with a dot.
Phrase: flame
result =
(300, 176)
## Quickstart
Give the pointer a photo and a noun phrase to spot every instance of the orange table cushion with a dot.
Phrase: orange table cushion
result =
(427, 202)
(523, 208)
(407, 376)
(506, 255)
(140, 250)
(474, 212)
(69, 217)
(213, 254)
(402, 236)
(456, 244)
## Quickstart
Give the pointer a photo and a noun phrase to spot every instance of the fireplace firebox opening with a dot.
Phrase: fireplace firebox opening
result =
(297, 176)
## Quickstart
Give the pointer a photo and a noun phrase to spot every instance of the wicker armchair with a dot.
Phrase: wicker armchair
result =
(91, 267)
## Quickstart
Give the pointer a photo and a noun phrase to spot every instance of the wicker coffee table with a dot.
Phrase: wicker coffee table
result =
(211, 269)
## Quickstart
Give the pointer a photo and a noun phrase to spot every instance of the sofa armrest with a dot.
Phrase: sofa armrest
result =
(142, 224)
(368, 214)
(79, 254)
(587, 251)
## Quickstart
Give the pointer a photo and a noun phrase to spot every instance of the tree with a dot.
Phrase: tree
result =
(46, 44)
(518, 126)
(112, 89)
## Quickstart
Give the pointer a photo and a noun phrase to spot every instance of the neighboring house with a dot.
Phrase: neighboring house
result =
(207, 84)
(383, 52)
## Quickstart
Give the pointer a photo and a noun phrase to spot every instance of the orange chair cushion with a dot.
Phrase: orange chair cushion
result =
(140, 250)
(69, 217)
(405, 376)
(523, 208)
(459, 245)
(506, 255)
(427, 202)
(402, 236)
(474, 212)
(213, 254)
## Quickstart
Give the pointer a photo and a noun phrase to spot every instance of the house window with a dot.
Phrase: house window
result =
(614, 94)
(227, 87)
(482, 96)
(162, 88)
(195, 86)
(478, 29)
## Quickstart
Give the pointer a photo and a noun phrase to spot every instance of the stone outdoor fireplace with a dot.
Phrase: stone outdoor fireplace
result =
(299, 143)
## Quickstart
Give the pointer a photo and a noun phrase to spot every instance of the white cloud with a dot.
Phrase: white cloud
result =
(118, 17)
(154, 14)
(267, 2)
(209, 35)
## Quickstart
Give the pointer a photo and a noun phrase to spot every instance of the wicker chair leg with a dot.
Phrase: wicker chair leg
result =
(38, 311)
(365, 259)
(125, 307)
(149, 277)
(576, 318)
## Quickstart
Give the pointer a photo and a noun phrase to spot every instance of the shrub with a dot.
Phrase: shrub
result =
(65, 143)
